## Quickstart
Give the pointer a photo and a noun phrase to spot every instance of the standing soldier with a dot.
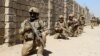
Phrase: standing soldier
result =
(73, 24)
(60, 28)
(31, 31)
(93, 20)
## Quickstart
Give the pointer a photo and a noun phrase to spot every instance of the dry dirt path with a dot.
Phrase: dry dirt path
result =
(87, 44)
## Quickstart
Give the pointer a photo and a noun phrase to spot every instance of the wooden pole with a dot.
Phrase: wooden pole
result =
(73, 6)
(6, 36)
(49, 15)
(65, 10)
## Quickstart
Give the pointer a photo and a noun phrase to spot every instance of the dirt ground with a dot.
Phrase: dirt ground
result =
(87, 44)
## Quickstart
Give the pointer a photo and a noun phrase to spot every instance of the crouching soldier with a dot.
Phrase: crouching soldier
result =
(73, 24)
(60, 29)
(81, 24)
(31, 31)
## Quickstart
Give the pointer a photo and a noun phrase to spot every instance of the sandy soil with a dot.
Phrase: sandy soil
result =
(87, 44)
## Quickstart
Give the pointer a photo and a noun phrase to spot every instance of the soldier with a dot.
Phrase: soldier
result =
(73, 24)
(60, 29)
(31, 31)
(98, 21)
(45, 29)
(81, 24)
(93, 20)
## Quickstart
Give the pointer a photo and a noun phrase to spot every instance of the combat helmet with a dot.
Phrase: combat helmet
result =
(34, 9)
(61, 16)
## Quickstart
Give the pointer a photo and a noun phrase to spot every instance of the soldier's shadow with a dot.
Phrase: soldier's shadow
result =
(46, 52)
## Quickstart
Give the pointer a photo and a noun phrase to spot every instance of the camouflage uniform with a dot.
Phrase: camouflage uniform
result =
(81, 24)
(31, 42)
(93, 21)
(73, 25)
(98, 21)
(60, 29)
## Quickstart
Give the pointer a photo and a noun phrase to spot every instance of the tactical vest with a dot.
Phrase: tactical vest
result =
(29, 32)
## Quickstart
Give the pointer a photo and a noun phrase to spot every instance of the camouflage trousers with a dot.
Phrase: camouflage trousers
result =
(80, 29)
(44, 34)
(73, 31)
(62, 35)
(29, 46)
(92, 25)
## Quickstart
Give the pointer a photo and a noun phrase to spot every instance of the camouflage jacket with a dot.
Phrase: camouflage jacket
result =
(26, 30)
(93, 20)
(59, 27)
(81, 21)
(73, 22)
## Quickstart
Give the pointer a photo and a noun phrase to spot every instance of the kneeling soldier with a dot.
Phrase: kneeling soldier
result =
(31, 31)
